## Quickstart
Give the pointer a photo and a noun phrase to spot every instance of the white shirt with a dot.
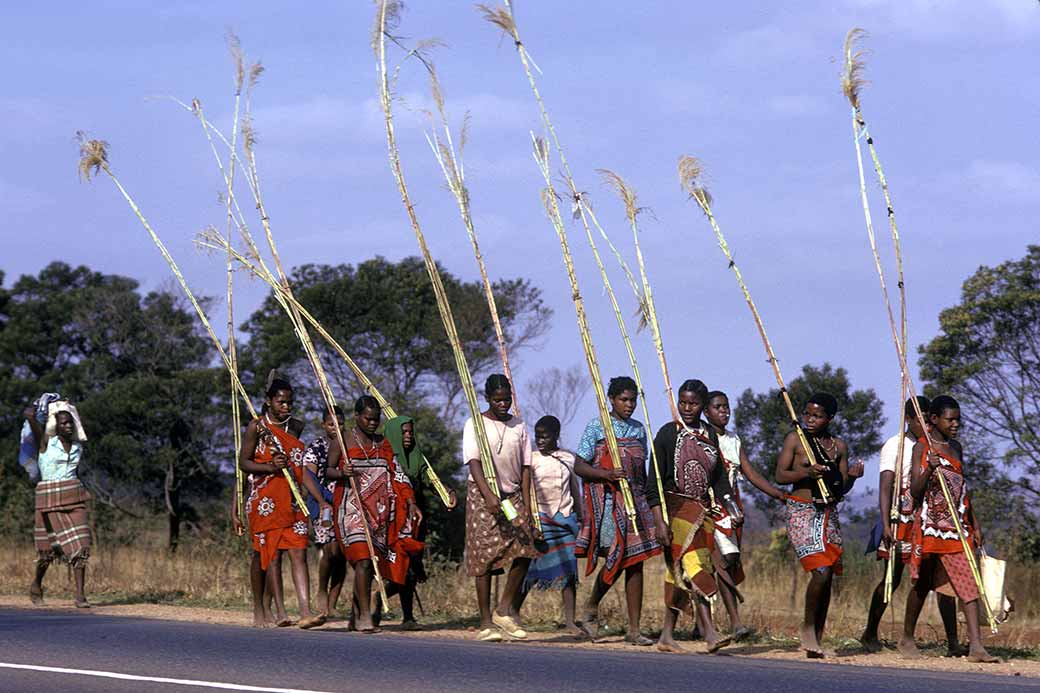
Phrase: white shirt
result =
(510, 449)
(729, 446)
(555, 482)
(889, 454)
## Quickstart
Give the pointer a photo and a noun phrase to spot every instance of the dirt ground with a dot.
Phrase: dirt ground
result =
(761, 647)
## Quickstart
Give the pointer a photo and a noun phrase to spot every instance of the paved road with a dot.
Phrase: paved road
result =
(216, 656)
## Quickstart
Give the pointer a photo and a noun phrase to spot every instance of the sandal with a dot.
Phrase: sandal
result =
(489, 635)
(639, 640)
(509, 626)
(82, 603)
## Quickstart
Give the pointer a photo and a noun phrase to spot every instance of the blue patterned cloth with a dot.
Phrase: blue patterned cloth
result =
(556, 567)
(593, 434)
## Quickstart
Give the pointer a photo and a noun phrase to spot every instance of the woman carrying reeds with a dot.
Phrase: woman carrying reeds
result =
(387, 506)
(812, 523)
(400, 431)
(495, 544)
(728, 530)
(62, 524)
(332, 566)
(938, 561)
(559, 498)
(277, 525)
(605, 529)
(696, 488)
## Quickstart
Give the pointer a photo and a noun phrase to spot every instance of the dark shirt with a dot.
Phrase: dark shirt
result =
(664, 453)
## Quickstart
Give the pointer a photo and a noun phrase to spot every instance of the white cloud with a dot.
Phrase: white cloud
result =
(1008, 180)
(935, 19)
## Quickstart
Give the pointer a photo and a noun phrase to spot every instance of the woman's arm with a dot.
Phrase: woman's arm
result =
(589, 473)
(334, 472)
(245, 458)
(921, 474)
(315, 491)
(29, 413)
(491, 501)
(756, 478)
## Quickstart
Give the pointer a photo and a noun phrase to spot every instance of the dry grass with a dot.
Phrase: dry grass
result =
(215, 575)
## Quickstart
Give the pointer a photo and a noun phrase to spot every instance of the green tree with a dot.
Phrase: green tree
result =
(385, 316)
(762, 420)
(138, 370)
(987, 355)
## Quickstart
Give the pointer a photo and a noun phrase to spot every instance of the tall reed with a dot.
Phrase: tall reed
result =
(387, 15)
(852, 81)
(690, 174)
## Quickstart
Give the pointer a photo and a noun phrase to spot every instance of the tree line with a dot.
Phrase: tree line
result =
(156, 407)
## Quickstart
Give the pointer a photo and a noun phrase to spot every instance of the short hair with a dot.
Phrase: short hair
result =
(550, 423)
(336, 411)
(366, 402)
(696, 387)
(825, 400)
(941, 404)
(923, 402)
(496, 381)
(278, 385)
(717, 393)
(621, 384)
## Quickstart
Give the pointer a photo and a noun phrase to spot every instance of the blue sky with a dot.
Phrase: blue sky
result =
(752, 88)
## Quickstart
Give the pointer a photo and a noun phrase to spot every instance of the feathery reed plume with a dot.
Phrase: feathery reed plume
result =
(632, 210)
(851, 81)
(691, 173)
(93, 159)
(387, 16)
(505, 20)
(550, 198)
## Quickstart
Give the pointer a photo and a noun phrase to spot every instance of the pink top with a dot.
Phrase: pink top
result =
(510, 450)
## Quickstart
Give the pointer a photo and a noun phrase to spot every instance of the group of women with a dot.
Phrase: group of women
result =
(543, 508)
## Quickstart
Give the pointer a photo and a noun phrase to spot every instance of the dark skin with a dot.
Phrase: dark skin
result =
(792, 465)
(280, 408)
(364, 435)
(947, 604)
(407, 591)
(718, 414)
(622, 406)
(944, 428)
(332, 564)
(499, 402)
(547, 441)
(690, 408)
(65, 428)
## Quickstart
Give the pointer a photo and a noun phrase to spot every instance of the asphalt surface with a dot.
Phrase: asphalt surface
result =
(338, 661)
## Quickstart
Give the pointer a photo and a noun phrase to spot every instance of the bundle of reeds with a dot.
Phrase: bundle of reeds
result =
(94, 158)
(690, 178)
(851, 82)
(387, 15)
(503, 18)
(212, 240)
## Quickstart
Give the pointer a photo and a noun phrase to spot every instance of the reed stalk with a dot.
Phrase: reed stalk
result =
(450, 160)
(387, 14)
(550, 199)
(646, 296)
(852, 81)
(690, 173)
(236, 416)
(505, 20)
(94, 158)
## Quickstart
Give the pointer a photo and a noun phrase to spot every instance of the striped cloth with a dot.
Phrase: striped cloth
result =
(61, 526)
(556, 567)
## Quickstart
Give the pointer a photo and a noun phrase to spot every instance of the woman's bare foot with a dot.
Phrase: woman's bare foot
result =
(667, 644)
(365, 625)
(575, 630)
(979, 654)
(810, 644)
(36, 593)
(742, 633)
(310, 622)
(82, 603)
(956, 650)
(713, 646)
(589, 622)
(260, 619)
(908, 648)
